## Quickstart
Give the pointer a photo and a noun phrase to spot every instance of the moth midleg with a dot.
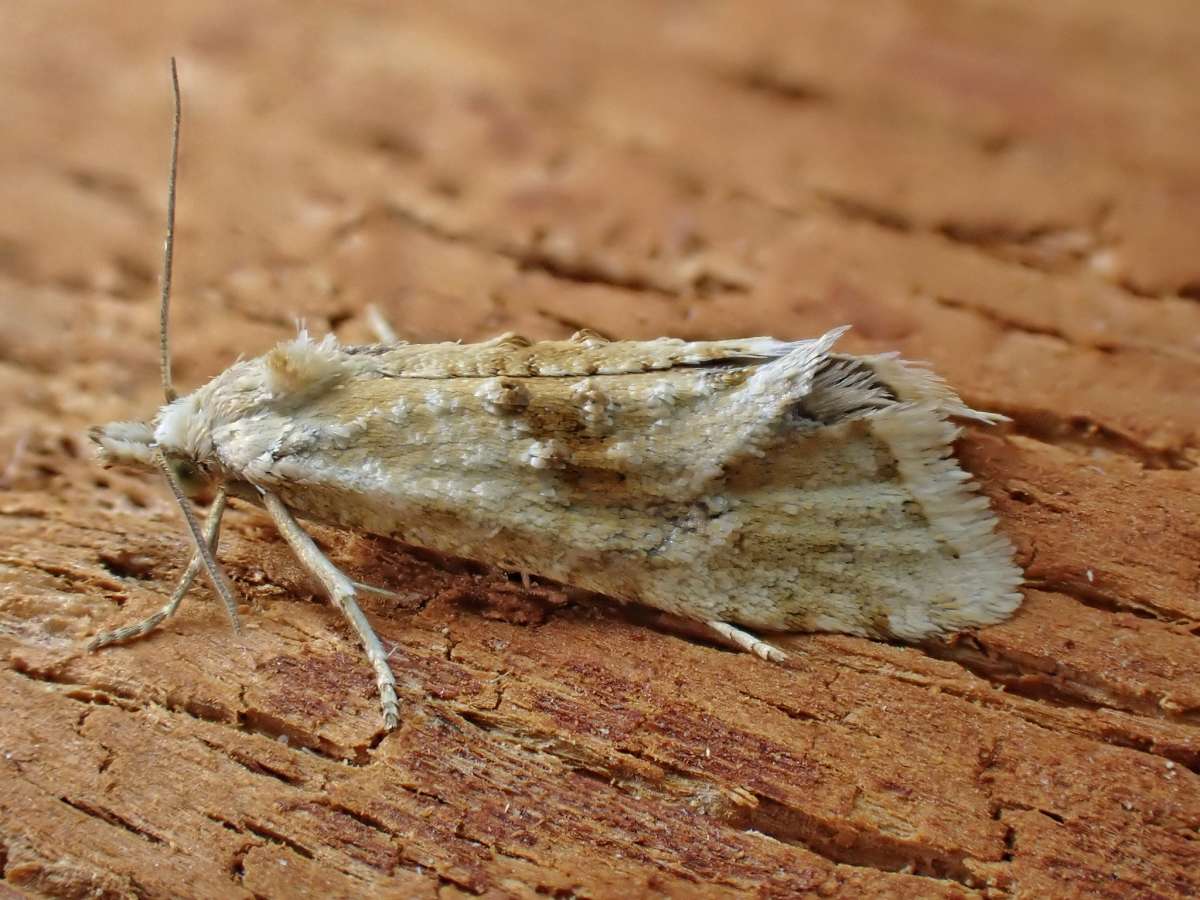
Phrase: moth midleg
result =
(212, 528)
(746, 641)
(341, 591)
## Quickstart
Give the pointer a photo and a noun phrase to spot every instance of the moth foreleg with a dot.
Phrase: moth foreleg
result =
(212, 527)
(341, 591)
(746, 641)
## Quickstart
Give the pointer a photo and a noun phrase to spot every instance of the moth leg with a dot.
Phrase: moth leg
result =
(341, 591)
(212, 527)
(380, 325)
(746, 641)
(376, 589)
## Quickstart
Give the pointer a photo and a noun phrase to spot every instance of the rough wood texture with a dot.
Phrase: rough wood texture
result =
(1009, 190)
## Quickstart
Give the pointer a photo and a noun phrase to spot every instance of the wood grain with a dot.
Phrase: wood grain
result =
(1010, 191)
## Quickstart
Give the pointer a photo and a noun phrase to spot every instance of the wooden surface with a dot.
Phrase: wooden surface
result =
(1008, 190)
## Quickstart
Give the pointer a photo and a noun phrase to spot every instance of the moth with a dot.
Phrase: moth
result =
(753, 485)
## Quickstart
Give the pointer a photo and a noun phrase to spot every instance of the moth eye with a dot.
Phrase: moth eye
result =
(191, 477)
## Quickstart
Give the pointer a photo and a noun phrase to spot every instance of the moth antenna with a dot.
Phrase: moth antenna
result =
(215, 574)
(164, 346)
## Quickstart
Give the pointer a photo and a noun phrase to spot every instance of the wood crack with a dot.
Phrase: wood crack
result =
(835, 842)
(1082, 435)
(1059, 687)
(109, 817)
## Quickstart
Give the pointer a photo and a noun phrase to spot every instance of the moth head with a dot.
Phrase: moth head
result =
(133, 445)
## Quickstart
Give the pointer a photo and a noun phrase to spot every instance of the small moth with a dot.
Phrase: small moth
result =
(751, 484)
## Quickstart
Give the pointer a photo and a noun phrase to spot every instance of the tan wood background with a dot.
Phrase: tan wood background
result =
(1010, 190)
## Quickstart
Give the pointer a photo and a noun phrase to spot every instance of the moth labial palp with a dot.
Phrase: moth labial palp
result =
(751, 485)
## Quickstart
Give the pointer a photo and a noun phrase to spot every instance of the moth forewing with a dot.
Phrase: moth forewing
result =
(788, 489)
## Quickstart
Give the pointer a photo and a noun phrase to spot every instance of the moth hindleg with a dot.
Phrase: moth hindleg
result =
(212, 527)
(376, 589)
(341, 591)
(746, 641)
(384, 332)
